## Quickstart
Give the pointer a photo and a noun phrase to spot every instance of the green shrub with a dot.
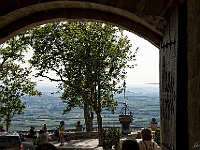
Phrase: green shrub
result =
(111, 139)
(157, 136)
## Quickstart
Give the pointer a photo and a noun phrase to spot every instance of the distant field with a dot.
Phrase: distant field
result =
(144, 106)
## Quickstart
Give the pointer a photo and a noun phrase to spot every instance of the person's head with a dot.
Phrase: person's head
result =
(46, 146)
(146, 134)
(45, 124)
(32, 127)
(130, 145)
(62, 123)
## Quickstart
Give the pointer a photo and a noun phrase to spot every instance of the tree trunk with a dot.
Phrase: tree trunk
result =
(88, 115)
(100, 128)
(89, 122)
(7, 123)
(7, 126)
(99, 118)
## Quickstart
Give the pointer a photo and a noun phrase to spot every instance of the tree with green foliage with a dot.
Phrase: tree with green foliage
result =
(14, 80)
(89, 60)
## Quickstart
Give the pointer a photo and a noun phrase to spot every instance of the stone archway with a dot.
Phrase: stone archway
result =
(17, 16)
(171, 25)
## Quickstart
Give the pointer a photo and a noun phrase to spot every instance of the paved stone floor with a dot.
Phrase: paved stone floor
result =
(87, 144)
(83, 144)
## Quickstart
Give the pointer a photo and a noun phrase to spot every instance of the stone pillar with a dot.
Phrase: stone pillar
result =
(125, 120)
(193, 46)
(173, 81)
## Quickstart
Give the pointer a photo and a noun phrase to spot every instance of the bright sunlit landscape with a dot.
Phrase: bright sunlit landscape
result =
(142, 95)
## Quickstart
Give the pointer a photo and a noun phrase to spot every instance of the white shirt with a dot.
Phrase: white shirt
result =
(148, 145)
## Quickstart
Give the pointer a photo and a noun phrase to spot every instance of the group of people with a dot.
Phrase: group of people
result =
(43, 136)
(145, 144)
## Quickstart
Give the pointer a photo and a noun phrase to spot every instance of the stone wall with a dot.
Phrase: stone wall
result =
(173, 81)
(194, 73)
(168, 83)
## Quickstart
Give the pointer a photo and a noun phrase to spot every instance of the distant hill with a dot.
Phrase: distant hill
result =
(138, 89)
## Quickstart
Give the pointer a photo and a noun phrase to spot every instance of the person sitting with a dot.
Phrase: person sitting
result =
(44, 128)
(32, 133)
(147, 143)
(130, 145)
(42, 138)
(46, 146)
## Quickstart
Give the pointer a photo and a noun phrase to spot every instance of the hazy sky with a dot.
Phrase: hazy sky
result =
(147, 69)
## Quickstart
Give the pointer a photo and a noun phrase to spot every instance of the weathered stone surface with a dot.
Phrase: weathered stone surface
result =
(18, 16)
(194, 74)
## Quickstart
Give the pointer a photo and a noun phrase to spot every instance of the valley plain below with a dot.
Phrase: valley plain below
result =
(142, 101)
